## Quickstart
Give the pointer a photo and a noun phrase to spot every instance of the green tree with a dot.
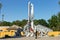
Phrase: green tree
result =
(5, 23)
(53, 22)
(23, 22)
(17, 22)
(58, 23)
(36, 22)
(20, 23)
(42, 22)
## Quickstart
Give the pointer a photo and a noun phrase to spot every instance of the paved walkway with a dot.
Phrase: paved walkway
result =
(32, 38)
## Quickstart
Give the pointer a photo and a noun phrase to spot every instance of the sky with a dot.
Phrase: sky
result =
(18, 9)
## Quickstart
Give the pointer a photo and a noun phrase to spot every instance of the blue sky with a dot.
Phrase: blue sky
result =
(18, 9)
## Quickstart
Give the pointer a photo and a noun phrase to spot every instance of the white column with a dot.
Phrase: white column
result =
(32, 12)
(29, 11)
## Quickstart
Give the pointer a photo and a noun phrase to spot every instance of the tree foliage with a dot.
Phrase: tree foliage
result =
(53, 22)
(5, 23)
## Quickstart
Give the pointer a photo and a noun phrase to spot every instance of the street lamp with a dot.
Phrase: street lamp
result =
(0, 7)
(59, 2)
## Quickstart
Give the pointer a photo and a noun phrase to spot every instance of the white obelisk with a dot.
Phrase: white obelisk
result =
(30, 14)
(29, 11)
(30, 29)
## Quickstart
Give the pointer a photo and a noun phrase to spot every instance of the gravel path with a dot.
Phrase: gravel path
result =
(32, 38)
